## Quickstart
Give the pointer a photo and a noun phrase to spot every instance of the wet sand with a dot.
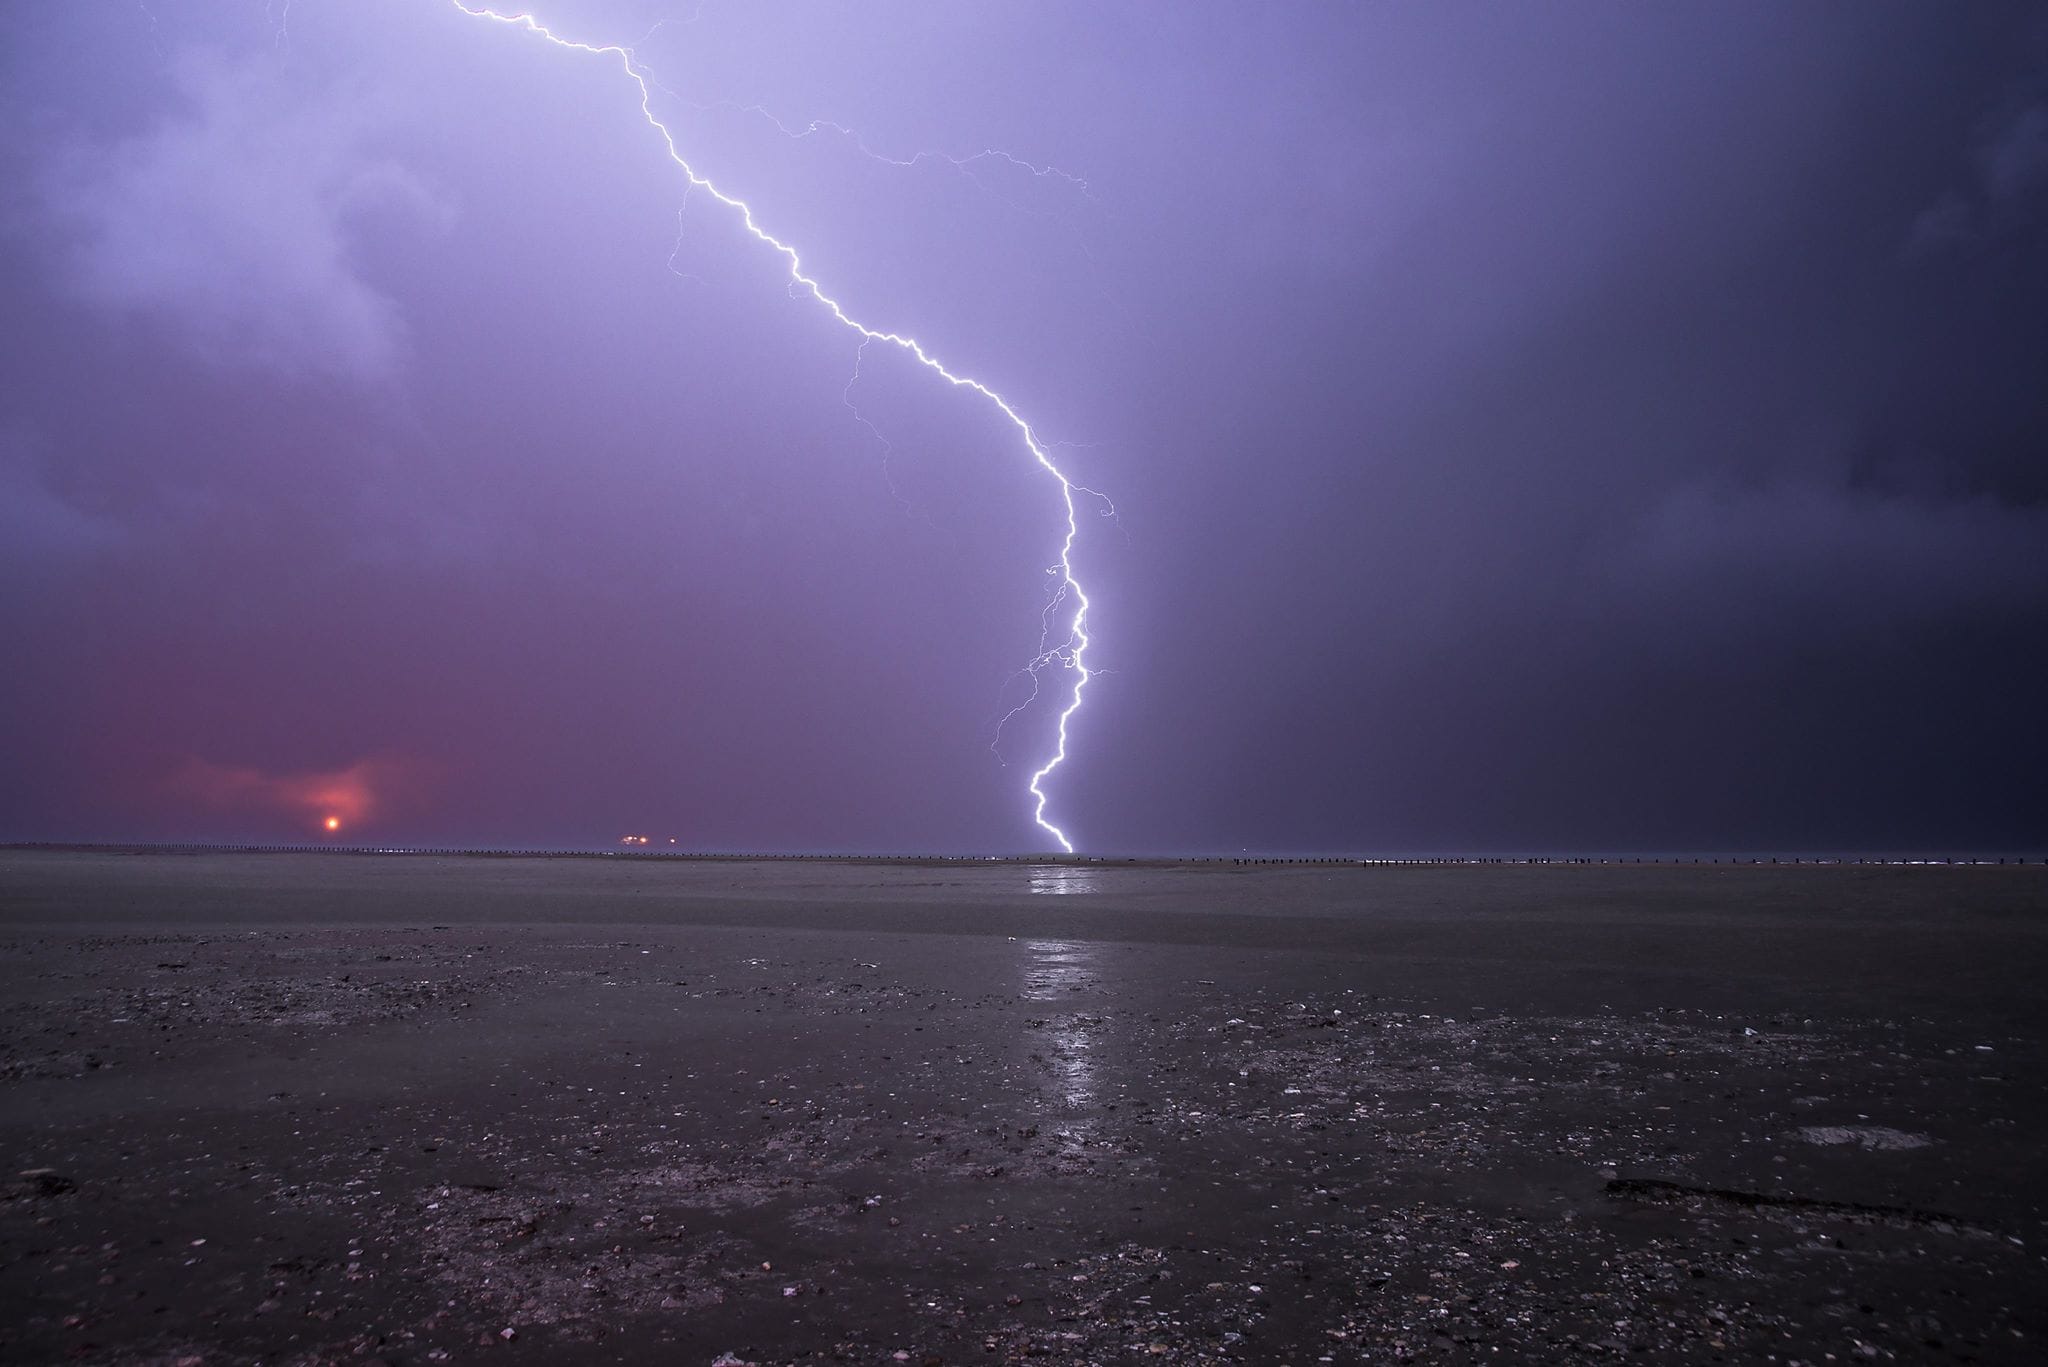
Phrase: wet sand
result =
(316, 1108)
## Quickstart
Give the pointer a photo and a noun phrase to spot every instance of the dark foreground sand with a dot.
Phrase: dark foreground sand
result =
(316, 1108)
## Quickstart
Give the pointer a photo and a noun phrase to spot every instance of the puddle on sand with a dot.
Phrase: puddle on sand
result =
(1057, 879)
(1057, 967)
(1053, 969)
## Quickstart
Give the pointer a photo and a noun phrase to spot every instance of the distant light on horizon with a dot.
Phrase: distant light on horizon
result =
(332, 823)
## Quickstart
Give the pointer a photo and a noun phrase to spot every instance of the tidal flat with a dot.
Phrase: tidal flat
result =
(315, 1108)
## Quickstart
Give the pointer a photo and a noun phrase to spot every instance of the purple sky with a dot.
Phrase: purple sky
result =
(1531, 426)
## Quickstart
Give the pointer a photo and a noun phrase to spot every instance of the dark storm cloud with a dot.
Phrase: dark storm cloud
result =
(1560, 426)
(1853, 551)
(228, 220)
(38, 525)
(2007, 190)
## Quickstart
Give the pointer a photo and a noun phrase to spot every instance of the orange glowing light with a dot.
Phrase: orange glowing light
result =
(333, 823)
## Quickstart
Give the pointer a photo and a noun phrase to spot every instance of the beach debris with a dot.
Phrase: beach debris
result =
(1322, 1135)
(1881, 1137)
(47, 1181)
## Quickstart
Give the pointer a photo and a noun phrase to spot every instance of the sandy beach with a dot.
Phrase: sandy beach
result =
(337, 1107)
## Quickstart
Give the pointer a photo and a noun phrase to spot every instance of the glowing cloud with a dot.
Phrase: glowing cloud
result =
(329, 801)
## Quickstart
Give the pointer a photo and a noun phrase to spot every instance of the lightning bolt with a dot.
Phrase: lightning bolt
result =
(965, 165)
(888, 447)
(279, 17)
(1069, 654)
(813, 127)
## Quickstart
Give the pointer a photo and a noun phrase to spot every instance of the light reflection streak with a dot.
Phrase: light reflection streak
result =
(1057, 971)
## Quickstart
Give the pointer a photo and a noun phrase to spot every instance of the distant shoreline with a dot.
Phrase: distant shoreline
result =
(1970, 860)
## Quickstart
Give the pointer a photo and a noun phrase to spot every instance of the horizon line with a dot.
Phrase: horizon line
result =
(1247, 857)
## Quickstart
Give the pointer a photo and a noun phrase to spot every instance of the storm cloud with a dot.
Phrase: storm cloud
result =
(228, 220)
(1536, 427)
